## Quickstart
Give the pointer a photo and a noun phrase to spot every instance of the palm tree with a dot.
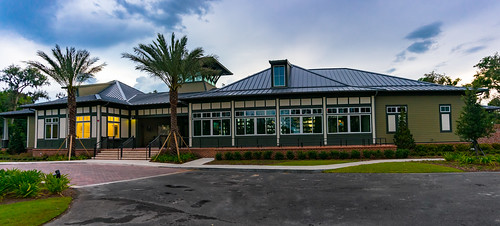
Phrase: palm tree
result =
(173, 64)
(69, 70)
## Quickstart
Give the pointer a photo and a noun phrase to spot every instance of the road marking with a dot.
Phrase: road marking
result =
(120, 181)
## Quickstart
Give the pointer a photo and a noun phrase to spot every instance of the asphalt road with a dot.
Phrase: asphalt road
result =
(267, 198)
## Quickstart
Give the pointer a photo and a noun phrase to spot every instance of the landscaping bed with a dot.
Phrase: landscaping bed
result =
(396, 167)
(281, 162)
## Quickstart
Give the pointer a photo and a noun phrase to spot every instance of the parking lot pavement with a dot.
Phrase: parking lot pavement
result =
(88, 174)
(207, 197)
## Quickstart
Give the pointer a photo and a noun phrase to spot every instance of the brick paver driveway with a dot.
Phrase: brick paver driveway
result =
(82, 174)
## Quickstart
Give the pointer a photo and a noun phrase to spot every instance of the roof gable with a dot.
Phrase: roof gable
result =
(120, 91)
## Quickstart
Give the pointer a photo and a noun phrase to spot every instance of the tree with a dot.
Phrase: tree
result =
(18, 79)
(474, 122)
(489, 73)
(403, 138)
(173, 64)
(442, 79)
(70, 70)
(494, 102)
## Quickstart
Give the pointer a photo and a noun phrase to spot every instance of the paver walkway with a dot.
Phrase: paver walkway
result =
(88, 173)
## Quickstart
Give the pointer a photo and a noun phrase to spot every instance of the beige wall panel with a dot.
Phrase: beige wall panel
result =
(41, 128)
(423, 116)
(205, 106)
(226, 104)
(79, 110)
(284, 102)
(124, 127)
(93, 132)
(86, 109)
(260, 103)
(62, 128)
(196, 106)
(270, 103)
(343, 100)
(104, 126)
(40, 112)
(216, 105)
(239, 104)
(249, 104)
(295, 102)
(331, 101)
(306, 101)
(124, 112)
(141, 112)
(365, 100)
(317, 101)
(62, 111)
(353, 100)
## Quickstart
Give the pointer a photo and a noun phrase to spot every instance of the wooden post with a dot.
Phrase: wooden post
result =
(70, 146)
(177, 148)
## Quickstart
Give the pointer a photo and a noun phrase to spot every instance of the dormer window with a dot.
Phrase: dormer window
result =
(279, 76)
(280, 73)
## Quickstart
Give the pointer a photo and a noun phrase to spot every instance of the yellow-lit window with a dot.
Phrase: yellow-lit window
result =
(113, 126)
(83, 127)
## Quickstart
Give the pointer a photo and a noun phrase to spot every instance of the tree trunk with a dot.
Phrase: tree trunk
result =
(72, 120)
(173, 94)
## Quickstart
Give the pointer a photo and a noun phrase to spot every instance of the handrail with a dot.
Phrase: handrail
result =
(130, 139)
(99, 144)
(150, 144)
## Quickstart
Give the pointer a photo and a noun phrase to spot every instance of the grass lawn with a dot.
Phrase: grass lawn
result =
(281, 162)
(34, 212)
(396, 167)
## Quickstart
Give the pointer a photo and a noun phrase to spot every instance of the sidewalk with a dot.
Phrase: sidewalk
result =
(199, 164)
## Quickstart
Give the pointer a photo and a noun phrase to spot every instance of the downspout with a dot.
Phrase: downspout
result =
(374, 130)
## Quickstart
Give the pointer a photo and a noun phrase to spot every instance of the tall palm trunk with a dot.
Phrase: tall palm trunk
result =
(174, 98)
(72, 121)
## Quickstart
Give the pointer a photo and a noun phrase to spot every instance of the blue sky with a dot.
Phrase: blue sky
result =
(397, 37)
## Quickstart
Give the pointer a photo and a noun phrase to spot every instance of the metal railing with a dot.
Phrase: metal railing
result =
(100, 143)
(129, 142)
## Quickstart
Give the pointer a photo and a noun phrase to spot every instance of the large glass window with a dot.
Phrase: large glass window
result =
(279, 76)
(212, 124)
(83, 127)
(255, 122)
(113, 126)
(51, 128)
(303, 121)
(349, 120)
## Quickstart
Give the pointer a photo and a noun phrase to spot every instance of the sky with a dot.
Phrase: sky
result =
(404, 38)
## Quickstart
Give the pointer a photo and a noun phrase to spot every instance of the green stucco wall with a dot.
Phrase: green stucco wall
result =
(423, 116)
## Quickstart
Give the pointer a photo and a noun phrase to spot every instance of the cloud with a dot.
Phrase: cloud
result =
(474, 49)
(390, 70)
(420, 47)
(425, 32)
(400, 56)
(96, 23)
(150, 84)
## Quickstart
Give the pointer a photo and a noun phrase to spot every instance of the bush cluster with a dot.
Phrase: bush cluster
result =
(467, 158)
(301, 155)
(185, 157)
(29, 157)
(440, 149)
(30, 183)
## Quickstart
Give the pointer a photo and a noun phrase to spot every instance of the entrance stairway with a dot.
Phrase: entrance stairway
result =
(128, 154)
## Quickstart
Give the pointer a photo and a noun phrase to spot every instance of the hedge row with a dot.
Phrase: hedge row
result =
(440, 149)
(301, 155)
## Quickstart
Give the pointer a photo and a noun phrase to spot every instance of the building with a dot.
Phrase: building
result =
(283, 105)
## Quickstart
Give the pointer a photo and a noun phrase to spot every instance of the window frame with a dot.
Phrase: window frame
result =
(203, 117)
(84, 122)
(51, 123)
(255, 115)
(289, 115)
(349, 112)
(441, 113)
(284, 84)
(397, 112)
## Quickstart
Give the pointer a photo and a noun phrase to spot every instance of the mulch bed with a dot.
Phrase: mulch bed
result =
(70, 192)
(469, 167)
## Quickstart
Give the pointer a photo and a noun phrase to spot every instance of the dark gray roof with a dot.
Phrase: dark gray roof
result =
(323, 81)
(22, 112)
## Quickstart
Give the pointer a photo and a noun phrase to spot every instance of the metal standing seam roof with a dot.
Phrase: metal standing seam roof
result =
(22, 112)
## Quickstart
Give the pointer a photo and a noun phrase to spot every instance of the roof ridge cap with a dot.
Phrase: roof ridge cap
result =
(120, 89)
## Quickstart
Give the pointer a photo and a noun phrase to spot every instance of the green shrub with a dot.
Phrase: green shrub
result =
(290, 155)
(355, 154)
(247, 155)
(228, 155)
(312, 154)
(389, 154)
(486, 147)
(24, 183)
(486, 160)
(497, 158)
(367, 154)
(16, 140)
(173, 158)
(279, 156)
(268, 154)
(402, 153)
(449, 156)
(257, 155)
(56, 185)
(335, 154)
(420, 150)
(496, 146)
(378, 154)
(465, 159)
(301, 155)
(323, 155)
(462, 147)
(344, 155)
(237, 155)
(442, 148)
(218, 156)
(26, 189)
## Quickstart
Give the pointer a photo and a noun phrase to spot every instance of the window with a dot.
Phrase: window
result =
(349, 120)
(113, 126)
(51, 128)
(279, 76)
(393, 114)
(445, 117)
(212, 124)
(301, 121)
(256, 122)
(83, 127)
